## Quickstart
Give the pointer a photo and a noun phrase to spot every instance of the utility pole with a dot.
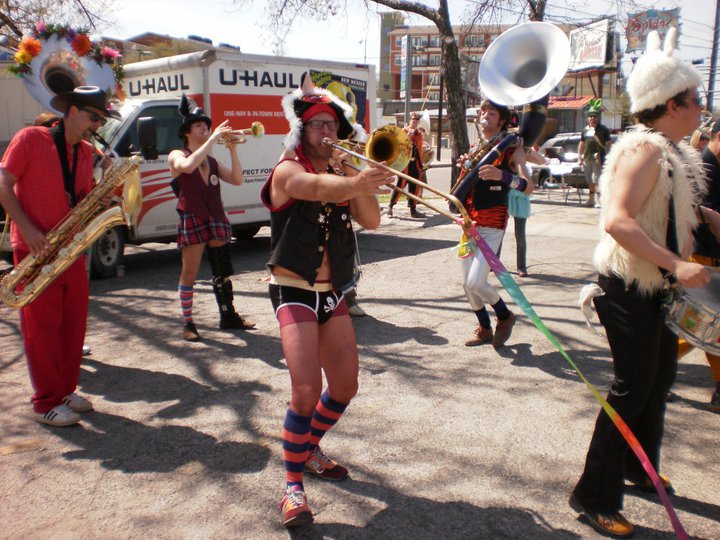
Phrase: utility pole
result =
(440, 117)
(408, 76)
(713, 59)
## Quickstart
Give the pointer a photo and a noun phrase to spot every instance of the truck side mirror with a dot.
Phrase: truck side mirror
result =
(147, 137)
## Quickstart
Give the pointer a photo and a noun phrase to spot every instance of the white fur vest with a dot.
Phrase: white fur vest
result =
(685, 185)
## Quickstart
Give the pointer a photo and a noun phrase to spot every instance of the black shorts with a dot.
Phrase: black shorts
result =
(293, 305)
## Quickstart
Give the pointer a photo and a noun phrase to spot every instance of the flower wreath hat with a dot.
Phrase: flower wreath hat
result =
(658, 75)
(296, 103)
(69, 59)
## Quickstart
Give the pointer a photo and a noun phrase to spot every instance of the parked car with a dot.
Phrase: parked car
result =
(564, 146)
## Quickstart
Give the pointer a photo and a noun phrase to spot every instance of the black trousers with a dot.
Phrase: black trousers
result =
(412, 188)
(644, 354)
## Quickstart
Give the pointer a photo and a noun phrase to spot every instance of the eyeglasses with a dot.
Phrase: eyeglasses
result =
(94, 117)
(317, 125)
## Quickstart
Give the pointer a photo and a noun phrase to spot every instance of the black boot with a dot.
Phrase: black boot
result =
(229, 318)
(221, 266)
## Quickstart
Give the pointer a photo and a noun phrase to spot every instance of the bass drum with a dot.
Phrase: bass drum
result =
(693, 315)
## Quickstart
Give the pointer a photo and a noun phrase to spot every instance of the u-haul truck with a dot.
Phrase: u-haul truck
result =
(228, 85)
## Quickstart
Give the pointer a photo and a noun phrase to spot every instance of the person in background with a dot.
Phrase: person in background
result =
(699, 139)
(312, 206)
(594, 145)
(650, 186)
(43, 175)
(47, 119)
(707, 248)
(414, 168)
(519, 209)
(204, 227)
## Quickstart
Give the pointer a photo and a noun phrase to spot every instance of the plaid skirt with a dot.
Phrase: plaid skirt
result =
(191, 230)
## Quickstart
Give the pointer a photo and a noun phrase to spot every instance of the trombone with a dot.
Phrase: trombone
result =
(237, 136)
(390, 144)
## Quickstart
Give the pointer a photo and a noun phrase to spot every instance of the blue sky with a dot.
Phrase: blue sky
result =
(356, 38)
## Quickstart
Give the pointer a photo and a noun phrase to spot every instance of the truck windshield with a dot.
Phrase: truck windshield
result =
(109, 130)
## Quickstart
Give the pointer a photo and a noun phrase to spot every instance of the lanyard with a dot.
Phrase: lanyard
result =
(58, 134)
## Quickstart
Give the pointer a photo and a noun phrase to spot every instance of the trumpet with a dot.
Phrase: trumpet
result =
(237, 136)
(390, 144)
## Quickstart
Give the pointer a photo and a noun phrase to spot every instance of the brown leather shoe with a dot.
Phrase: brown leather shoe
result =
(645, 484)
(479, 336)
(190, 333)
(503, 329)
(611, 523)
(415, 213)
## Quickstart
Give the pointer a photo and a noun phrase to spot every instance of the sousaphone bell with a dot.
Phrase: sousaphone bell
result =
(58, 68)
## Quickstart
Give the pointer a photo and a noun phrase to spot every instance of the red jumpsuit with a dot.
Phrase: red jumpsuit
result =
(52, 325)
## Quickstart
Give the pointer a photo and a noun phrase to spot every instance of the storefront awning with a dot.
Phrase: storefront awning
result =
(568, 102)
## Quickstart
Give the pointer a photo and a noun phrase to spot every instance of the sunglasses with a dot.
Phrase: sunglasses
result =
(94, 117)
(317, 125)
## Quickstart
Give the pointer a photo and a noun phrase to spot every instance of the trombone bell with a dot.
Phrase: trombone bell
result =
(391, 145)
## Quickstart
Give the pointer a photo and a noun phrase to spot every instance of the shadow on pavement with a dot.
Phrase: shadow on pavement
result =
(422, 518)
(121, 444)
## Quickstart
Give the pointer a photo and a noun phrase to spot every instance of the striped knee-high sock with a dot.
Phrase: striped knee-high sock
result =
(296, 440)
(186, 301)
(327, 413)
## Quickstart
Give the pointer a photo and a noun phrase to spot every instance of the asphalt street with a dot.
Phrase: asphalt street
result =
(442, 441)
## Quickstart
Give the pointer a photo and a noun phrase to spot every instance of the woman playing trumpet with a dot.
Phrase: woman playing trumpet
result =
(203, 226)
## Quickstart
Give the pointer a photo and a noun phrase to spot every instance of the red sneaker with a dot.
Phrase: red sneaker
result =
(324, 467)
(294, 507)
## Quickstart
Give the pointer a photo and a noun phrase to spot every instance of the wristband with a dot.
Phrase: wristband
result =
(518, 183)
(507, 178)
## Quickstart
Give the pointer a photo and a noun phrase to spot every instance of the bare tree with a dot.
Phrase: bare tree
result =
(282, 13)
(18, 17)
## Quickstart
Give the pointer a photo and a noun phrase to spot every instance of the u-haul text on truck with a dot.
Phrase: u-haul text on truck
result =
(228, 85)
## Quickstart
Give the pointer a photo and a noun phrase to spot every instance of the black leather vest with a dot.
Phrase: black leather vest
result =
(302, 231)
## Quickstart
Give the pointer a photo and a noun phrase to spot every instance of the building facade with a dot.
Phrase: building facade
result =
(568, 101)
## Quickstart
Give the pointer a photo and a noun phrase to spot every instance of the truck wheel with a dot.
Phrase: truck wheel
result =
(246, 232)
(107, 253)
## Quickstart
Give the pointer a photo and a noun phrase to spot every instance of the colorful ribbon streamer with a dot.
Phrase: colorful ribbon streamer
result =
(517, 295)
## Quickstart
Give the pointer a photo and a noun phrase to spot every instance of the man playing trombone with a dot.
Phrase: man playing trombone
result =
(313, 257)
(487, 205)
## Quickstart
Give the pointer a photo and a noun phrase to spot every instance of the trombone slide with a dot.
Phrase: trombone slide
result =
(450, 198)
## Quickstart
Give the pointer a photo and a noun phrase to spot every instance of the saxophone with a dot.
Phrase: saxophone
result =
(75, 233)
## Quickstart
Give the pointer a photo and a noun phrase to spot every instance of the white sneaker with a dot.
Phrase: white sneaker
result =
(77, 403)
(356, 311)
(57, 416)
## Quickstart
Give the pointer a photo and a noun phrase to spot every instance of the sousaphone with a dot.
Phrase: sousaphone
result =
(520, 67)
(58, 68)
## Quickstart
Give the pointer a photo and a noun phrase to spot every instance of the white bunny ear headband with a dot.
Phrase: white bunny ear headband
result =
(658, 75)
